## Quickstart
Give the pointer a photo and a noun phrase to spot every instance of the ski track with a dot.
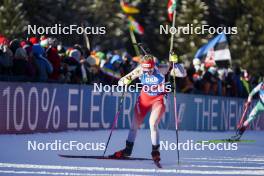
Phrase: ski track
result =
(179, 170)
(16, 160)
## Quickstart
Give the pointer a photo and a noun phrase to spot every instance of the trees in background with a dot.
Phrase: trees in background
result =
(247, 47)
(12, 18)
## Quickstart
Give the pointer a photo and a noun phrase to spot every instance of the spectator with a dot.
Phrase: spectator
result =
(20, 63)
(81, 73)
(44, 66)
(245, 78)
(33, 40)
(209, 81)
(45, 60)
(127, 64)
(14, 44)
(95, 65)
(237, 87)
(54, 58)
(6, 60)
(75, 67)
(112, 71)
(32, 66)
(222, 74)
(44, 42)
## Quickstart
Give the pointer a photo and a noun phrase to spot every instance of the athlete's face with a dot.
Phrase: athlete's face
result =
(149, 71)
(148, 67)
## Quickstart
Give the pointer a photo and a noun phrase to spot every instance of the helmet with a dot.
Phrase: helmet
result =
(147, 63)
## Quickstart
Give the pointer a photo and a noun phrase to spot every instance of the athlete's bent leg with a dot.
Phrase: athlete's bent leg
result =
(252, 116)
(139, 114)
(254, 113)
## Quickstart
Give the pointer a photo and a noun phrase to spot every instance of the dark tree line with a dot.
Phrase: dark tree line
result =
(247, 47)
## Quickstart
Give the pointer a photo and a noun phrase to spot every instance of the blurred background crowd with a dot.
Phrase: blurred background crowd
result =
(45, 59)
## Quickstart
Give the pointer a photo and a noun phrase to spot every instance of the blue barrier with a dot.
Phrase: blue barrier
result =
(41, 107)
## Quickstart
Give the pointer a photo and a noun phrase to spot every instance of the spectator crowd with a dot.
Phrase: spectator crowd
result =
(45, 59)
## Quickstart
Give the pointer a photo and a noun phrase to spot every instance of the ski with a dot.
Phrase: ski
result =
(109, 158)
(103, 157)
(229, 140)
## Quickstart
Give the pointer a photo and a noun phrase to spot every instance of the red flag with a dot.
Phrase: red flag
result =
(171, 7)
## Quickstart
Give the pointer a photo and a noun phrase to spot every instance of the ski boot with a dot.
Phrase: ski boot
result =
(126, 152)
(239, 133)
(155, 153)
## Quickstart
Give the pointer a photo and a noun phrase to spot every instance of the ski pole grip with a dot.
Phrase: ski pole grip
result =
(173, 58)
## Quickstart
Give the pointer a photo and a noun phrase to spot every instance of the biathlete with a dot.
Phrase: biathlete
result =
(151, 98)
(259, 107)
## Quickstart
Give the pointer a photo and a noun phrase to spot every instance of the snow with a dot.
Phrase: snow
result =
(15, 159)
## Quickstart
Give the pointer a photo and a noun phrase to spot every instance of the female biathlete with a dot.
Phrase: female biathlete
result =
(151, 98)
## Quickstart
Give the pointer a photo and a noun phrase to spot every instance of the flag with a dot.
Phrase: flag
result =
(135, 26)
(171, 7)
(127, 8)
(216, 49)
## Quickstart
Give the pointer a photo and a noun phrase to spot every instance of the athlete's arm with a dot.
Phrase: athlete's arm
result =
(178, 70)
(127, 79)
(254, 91)
(164, 68)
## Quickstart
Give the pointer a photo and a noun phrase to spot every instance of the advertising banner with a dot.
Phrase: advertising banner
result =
(42, 107)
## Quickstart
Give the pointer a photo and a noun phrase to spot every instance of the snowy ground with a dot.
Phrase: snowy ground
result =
(15, 159)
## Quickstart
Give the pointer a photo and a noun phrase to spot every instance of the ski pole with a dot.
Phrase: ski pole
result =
(174, 90)
(115, 120)
(140, 45)
(243, 116)
(175, 115)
